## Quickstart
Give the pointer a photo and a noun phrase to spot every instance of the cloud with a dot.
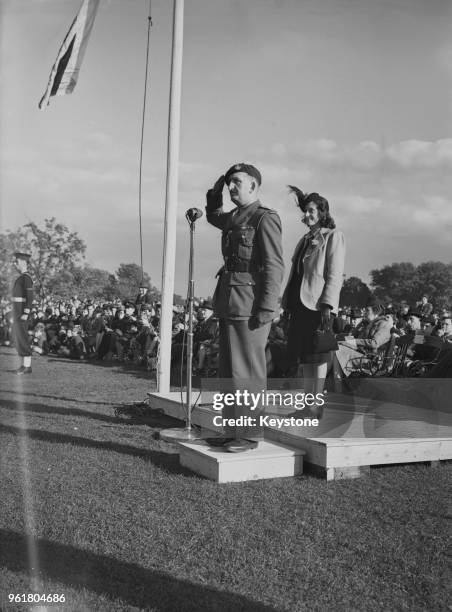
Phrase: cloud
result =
(352, 204)
(368, 154)
(435, 213)
(421, 153)
(279, 149)
(274, 174)
(195, 176)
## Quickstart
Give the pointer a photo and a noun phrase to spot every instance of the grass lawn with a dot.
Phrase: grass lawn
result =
(95, 507)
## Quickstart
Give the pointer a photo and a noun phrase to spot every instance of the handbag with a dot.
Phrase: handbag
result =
(324, 341)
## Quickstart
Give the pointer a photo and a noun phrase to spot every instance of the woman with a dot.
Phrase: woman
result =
(313, 288)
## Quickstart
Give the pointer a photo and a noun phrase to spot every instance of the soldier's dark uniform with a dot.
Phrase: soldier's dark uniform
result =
(142, 300)
(205, 330)
(248, 288)
(22, 298)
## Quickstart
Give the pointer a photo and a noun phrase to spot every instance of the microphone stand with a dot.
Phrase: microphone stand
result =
(187, 434)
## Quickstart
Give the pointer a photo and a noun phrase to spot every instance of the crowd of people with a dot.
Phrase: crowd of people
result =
(128, 331)
(115, 331)
(419, 331)
(253, 328)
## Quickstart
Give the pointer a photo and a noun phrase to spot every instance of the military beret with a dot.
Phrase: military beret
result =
(20, 255)
(242, 167)
(129, 304)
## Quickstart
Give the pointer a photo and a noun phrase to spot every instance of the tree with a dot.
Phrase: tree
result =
(53, 249)
(129, 280)
(6, 268)
(434, 278)
(111, 287)
(178, 300)
(406, 282)
(395, 283)
(82, 281)
(354, 293)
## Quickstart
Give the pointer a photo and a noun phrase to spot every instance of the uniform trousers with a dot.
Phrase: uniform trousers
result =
(242, 366)
(21, 338)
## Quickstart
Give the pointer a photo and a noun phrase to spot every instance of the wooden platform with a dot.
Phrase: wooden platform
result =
(268, 460)
(355, 432)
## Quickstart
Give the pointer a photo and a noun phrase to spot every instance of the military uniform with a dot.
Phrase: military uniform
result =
(22, 298)
(141, 300)
(246, 296)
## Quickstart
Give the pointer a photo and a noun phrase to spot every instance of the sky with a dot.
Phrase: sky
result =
(349, 98)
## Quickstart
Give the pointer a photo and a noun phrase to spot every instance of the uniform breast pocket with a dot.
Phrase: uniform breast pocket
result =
(242, 294)
(245, 241)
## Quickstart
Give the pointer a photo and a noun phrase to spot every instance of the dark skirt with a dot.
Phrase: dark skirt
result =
(302, 325)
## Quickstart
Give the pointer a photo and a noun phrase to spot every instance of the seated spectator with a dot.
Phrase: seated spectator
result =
(413, 321)
(39, 339)
(178, 338)
(425, 308)
(445, 330)
(89, 328)
(402, 318)
(205, 339)
(98, 327)
(64, 343)
(142, 345)
(435, 322)
(126, 330)
(375, 332)
(77, 345)
(340, 322)
(278, 362)
(6, 323)
(355, 321)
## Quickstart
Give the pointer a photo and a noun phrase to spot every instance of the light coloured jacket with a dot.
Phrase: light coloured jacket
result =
(375, 334)
(323, 269)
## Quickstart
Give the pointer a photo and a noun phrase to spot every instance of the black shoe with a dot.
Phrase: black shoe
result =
(238, 445)
(23, 370)
(218, 441)
(297, 414)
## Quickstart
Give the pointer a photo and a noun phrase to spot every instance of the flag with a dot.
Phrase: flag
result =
(64, 74)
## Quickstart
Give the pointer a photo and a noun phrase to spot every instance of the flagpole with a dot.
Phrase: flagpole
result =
(172, 176)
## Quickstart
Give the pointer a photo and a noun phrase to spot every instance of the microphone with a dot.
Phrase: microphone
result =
(193, 214)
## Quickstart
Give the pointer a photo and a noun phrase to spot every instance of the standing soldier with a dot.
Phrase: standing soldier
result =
(22, 298)
(246, 297)
(143, 298)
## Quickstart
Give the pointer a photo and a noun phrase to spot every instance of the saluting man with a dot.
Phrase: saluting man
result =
(22, 298)
(248, 288)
